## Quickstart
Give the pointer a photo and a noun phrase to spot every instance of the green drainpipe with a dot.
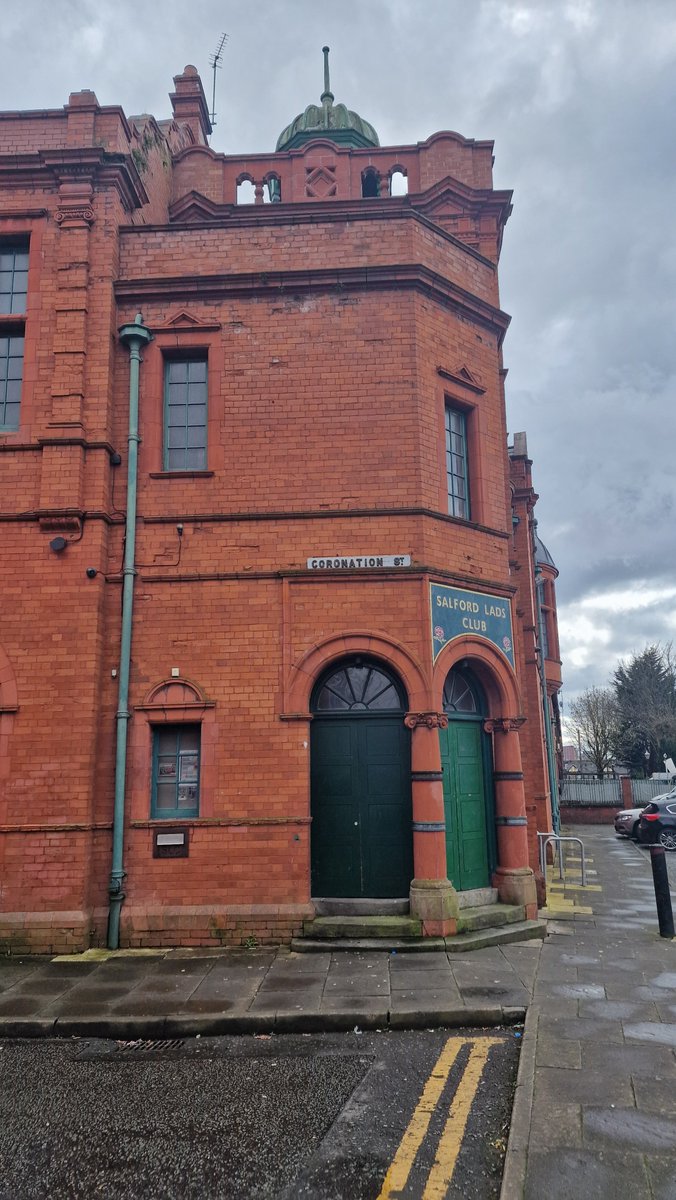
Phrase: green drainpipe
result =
(134, 337)
(549, 741)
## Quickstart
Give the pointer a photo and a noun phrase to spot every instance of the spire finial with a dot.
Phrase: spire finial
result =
(327, 94)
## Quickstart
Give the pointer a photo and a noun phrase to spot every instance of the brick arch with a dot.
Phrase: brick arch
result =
(175, 693)
(491, 669)
(379, 646)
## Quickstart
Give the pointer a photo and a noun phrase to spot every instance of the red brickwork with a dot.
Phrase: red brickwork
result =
(336, 330)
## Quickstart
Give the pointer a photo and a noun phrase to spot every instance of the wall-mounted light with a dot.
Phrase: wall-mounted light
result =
(58, 545)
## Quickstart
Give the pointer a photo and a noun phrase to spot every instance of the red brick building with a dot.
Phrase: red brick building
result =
(280, 642)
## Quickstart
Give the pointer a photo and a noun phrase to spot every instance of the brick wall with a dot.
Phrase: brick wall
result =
(327, 386)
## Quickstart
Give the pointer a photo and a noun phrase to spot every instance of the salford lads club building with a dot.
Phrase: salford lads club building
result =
(278, 640)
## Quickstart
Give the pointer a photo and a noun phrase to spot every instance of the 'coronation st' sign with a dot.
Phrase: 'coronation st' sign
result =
(356, 562)
(457, 612)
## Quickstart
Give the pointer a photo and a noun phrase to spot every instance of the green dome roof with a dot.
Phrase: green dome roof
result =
(327, 119)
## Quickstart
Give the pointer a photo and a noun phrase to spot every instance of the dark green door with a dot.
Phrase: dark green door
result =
(468, 801)
(464, 804)
(362, 842)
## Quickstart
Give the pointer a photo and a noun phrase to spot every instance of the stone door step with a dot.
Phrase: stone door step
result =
(377, 926)
(489, 916)
(477, 896)
(326, 906)
(519, 931)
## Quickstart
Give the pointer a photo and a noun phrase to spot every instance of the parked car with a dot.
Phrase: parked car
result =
(657, 822)
(626, 822)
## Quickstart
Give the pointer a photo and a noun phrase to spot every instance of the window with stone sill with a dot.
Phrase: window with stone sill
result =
(185, 414)
(176, 771)
(13, 290)
(457, 473)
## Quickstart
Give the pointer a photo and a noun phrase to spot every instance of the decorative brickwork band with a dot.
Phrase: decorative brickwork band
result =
(511, 821)
(499, 776)
(429, 827)
(503, 724)
(427, 776)
(430, 720)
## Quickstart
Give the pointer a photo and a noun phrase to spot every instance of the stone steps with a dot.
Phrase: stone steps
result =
(489, 916)
(517, 931)
(355, 927)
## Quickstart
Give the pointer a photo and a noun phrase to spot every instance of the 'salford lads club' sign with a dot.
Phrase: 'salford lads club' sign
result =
(457, 612)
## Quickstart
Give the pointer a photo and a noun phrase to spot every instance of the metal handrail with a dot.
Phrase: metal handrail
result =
(544, 840)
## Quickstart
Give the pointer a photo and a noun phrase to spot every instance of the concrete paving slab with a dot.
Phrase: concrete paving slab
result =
(286, 981)
(211, 1005)
(562, 1085)
(343, 1004)
(427, 999)
(569, 1174)
(628, 1129)
(557, 1126)
(648, 1061)
(649, 1031)
(357, 987)
(660, 1169)
(554, 1052)
(655, 1095)
(621, 1010)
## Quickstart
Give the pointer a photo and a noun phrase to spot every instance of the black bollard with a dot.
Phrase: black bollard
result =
(665, 915)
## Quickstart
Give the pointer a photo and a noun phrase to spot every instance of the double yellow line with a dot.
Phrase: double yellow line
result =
(440, 1176)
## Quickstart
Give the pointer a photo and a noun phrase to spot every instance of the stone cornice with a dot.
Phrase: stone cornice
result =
(276, 283)
(92, 163)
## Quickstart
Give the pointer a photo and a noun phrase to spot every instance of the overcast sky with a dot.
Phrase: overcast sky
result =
(580, 99)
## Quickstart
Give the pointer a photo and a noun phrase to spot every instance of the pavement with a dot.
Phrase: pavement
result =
(595, 1102)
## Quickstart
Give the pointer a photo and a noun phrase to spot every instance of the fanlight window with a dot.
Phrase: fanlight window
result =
(459, 696)
(358, 688)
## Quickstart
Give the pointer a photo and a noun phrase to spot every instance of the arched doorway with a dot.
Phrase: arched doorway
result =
(468, 799)
(362, 843)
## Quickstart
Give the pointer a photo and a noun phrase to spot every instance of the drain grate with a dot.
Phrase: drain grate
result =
(149, 1046)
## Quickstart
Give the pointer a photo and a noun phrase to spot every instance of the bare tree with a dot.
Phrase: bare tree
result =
(594, 717)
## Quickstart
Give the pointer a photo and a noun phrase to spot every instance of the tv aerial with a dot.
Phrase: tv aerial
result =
(216, 60)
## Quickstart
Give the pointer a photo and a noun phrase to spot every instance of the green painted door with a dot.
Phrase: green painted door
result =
(362, 842)
(465, 804)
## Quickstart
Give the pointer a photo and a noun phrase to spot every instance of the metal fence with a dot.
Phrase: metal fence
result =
(644, 790)
(590, 791)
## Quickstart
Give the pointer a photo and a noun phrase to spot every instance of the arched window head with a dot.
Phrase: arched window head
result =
(398, 183)
(358, 686)
(370, 183)
(246, 192)
(462, 694)
(272, 193)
